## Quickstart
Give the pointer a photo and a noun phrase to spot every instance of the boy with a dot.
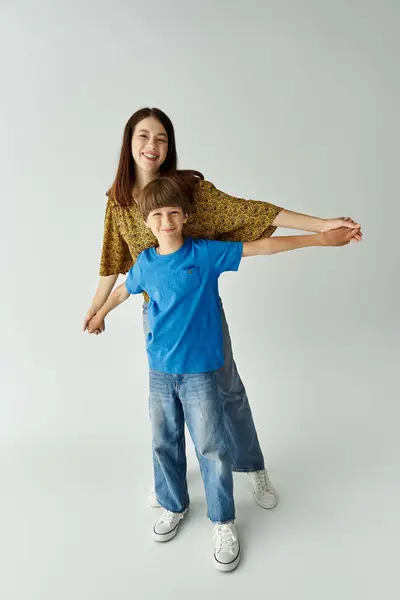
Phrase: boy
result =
(185, 350)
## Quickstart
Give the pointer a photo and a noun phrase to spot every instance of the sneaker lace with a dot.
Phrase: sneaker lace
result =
(170, 517)
(263, 484)
(225, 538)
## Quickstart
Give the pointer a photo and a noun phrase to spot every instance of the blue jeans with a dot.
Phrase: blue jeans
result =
(244, 447)
(193, 398)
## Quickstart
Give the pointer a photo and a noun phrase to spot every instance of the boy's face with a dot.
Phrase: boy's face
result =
(166, 222)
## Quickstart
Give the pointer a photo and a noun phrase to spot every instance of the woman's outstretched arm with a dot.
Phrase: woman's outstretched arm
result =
(226, 218)
(292, 220)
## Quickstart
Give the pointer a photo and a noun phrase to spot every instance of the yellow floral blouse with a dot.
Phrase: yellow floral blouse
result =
(215, 216)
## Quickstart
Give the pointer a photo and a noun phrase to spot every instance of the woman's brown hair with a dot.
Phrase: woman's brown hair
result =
(177, 189)
(122, 187)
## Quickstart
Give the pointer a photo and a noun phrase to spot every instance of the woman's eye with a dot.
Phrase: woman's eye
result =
(143, 136)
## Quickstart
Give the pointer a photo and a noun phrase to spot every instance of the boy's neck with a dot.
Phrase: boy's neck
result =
(170, 245)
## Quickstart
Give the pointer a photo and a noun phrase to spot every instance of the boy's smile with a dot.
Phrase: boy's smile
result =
(166, 224)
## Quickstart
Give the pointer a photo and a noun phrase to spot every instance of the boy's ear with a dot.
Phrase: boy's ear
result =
(186, 216)
(146, 223)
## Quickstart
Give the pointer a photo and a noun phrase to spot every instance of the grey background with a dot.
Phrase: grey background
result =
(291, 102)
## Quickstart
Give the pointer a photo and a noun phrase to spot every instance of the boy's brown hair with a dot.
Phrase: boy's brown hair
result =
(173, 190)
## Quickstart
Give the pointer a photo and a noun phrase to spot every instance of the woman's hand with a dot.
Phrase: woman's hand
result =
(89, 315)
(338, 237)
(332, 224)
(103, 291)
(96, 324)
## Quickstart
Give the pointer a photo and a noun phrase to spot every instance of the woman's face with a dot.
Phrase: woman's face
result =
(149, 145)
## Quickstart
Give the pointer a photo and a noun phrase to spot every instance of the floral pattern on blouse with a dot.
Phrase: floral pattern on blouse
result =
(215, 216)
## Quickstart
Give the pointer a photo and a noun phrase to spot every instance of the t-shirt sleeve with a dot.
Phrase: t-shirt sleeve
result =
(238, 219)
(115, 255)
(134, 281)
(224, 256)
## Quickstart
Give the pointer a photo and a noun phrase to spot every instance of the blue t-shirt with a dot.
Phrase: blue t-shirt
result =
(184, 309)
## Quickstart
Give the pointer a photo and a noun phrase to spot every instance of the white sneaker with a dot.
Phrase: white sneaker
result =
(152, 499)
(167, 525)
(226, 548)
(263, 491)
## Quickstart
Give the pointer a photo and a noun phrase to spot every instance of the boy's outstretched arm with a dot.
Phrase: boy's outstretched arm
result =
(119, 295)
(336, 237)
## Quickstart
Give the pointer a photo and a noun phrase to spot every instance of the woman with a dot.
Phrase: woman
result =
(148, 151)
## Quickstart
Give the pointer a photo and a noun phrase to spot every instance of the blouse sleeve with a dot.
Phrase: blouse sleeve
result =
(115, 255)
(237, 219)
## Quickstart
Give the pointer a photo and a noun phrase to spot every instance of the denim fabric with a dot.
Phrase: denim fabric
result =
(241, 435)
(191, 398)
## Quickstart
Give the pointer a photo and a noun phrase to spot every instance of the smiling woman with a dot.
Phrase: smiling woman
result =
(149, 152)
(149, 144)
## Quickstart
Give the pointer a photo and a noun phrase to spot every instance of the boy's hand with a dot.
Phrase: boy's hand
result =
(96, 324)
(338, 237)
(330, 224)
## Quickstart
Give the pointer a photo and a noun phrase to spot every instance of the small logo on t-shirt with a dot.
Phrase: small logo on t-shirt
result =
(189, 269)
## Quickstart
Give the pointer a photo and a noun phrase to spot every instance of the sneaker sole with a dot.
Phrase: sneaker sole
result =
(266, 507)
(226, 567)
(165, 537)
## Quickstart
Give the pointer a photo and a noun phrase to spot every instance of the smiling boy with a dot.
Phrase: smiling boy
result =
(185, 349)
